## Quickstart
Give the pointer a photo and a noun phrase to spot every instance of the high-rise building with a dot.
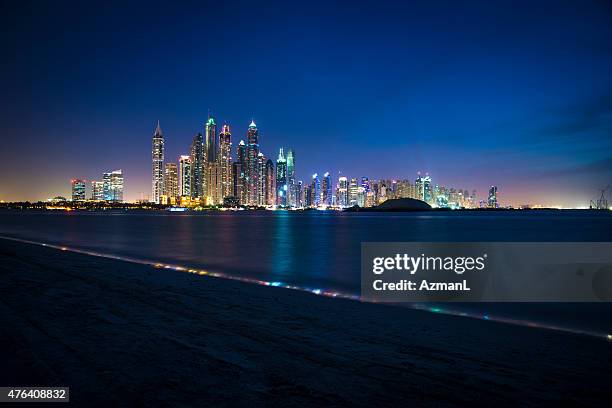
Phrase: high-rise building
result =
(423, 188)
(158, 164)
(237, 181)
(240, 179)
(281, 179)
(171, 189)
(353, 193)
(326, 191)
(292, 196)
(361, 196)
(225, 161)
(113, 185)
(252, 167)
(97, 190)
(270, 183)
(365, 183)
(492, 200)
(78, 189)
(185, 176)
(197, 166)
(106, 186)
(212, 176)
(261, 193)
(307, 196)
(210, 129)
(343, 196)
(315, 188)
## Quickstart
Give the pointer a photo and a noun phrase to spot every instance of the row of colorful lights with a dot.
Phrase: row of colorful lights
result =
(321, 292)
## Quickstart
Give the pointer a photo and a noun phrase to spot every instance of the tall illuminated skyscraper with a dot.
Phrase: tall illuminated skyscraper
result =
(171, 189)
(423, 188)
(185, 176)
(292, 197)
(315, 190)
(158, 164)
(113, 185)
(212, 179)
(97, 190)
(343, 200)
(281, 179)
(492, 199)
(353, 193)
(225, 161)
(239, 173)
(261, 195)
(78, 189)
(252, 167)
(307, 199)
(197, 166)
(210, 129)
(270, 183)
(326, 192)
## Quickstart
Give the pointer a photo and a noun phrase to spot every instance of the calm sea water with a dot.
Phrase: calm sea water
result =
(316, 249)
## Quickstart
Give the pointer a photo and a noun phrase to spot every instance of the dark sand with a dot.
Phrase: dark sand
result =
(121, 333)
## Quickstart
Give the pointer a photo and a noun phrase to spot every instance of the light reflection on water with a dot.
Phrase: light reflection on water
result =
(313, 249)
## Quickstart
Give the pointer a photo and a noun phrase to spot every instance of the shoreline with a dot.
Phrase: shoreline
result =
(116, 332)
(425, 307)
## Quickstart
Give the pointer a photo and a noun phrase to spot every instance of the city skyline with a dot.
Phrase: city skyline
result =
(517, 95)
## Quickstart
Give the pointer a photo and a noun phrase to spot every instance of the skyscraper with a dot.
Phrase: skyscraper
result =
(113, 185)
(185, 176)
(492, 200)
(252, 168)
(261, 193)
(212, 179)
(307, 196)
(97, 190)
(343, 200)
(292, 197)
(237, 181)
(423, 188)
(78, 189)
(281, 179)
(353, 193)
(171, 189)
(239, 170)
(225, 161)
(270, 183)
(197, 166)
(210, 129)
(315, 191)
(106, 186)
(326, 193)
(158, 164)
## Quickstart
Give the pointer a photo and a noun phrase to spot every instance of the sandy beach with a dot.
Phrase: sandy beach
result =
(122, 333)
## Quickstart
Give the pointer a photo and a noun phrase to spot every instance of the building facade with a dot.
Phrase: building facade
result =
(157, 154)
(225, 161)
(171, 188)
(252, 165)
(78, 189)
(281, 179)
(326, 190)
(197, 166)
(185, 176)
(97, 190)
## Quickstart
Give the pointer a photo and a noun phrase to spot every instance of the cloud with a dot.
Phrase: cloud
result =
(590, 119)
(599, 170)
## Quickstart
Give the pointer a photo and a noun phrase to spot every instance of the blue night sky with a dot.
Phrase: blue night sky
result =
(475, 93)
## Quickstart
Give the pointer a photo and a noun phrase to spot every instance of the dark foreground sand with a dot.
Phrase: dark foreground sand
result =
(119, 333)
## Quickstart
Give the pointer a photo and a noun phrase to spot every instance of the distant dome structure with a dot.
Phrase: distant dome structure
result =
(403, 204)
